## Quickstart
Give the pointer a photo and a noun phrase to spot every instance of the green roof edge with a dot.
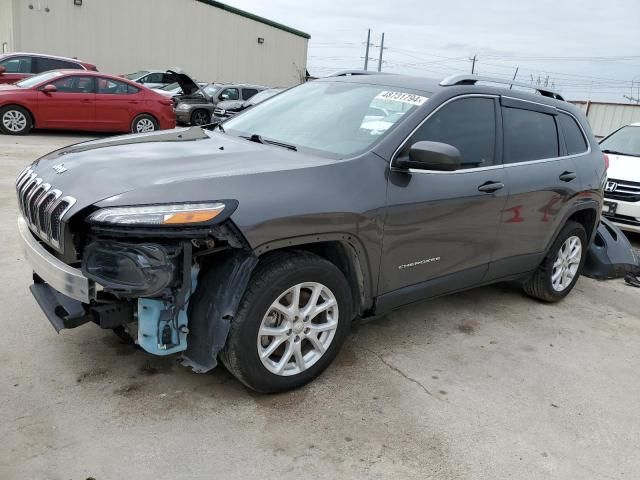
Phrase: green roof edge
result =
(257, 18)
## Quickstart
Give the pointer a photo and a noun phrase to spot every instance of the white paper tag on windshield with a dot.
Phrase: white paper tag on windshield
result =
(402, 97)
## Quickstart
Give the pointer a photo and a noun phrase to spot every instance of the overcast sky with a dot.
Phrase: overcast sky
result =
(587, 48)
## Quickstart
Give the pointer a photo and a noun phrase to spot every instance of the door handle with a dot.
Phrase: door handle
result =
(490, 187)
(568, 176)
(135, 102)
(86, 100)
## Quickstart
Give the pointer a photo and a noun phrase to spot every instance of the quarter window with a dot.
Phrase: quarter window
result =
(529, 135)
(573, 137)
(17, 65)
(74, 85)
(469, 124)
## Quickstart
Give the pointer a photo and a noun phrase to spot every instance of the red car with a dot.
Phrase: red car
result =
(82, 100)
(16, 66)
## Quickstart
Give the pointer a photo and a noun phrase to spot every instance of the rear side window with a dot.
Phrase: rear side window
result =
(469, 124)
(529, 135)
(114, 87)
(573, 137)
(247, 93)
(46, 64)
(229, 94)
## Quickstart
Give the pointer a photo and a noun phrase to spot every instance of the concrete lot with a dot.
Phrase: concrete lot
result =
(486, 384)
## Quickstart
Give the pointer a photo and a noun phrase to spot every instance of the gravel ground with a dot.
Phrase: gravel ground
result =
(482, 384)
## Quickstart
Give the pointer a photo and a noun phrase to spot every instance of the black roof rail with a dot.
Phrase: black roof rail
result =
(464, 79)
(348, 73)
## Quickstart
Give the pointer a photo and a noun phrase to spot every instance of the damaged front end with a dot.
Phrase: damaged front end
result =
(142, 278)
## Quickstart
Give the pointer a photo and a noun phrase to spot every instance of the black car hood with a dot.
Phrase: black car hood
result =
(181, 165)
(187, 84)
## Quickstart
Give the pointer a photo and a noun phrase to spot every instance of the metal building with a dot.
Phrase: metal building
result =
(208, 39)
(605, 118)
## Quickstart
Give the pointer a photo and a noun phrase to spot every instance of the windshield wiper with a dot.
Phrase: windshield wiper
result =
(220, 127)
(260, 139)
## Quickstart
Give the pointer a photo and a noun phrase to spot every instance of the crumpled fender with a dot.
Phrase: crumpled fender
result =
(213, 306)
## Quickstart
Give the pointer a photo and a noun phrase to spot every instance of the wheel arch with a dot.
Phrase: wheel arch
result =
(586, 214)
(344, 250)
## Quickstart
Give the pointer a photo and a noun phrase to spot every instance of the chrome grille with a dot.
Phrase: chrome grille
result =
(42, 207)
(624, 190)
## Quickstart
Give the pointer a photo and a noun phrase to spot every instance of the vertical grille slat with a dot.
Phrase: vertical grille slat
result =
(43, 208)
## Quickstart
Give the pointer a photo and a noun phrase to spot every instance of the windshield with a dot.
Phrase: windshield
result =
(328, 117)
(625, 141)
(211, 89)
(36, 79)
(134, 75)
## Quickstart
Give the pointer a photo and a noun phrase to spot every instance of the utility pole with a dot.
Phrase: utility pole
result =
(514, 77)
(366, 53)
(473, 63)
(381, 49)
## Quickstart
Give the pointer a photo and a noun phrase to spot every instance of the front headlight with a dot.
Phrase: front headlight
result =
(182, 106)
(172, 215)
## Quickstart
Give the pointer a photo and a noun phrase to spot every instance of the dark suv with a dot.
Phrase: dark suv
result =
(259, 243)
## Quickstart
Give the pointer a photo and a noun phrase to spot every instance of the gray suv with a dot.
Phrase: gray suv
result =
(259, 243)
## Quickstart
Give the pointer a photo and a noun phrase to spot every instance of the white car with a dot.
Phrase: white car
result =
(622, 190)
(151, 78)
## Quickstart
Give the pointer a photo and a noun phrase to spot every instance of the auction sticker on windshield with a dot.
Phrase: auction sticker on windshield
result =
(403, 97)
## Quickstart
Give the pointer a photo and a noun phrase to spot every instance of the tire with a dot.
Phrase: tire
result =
(144, 123)
(200, 117)
(277, 275)
(544, 284)
(15, 120)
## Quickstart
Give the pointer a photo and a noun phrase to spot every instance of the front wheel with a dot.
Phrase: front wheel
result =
(291, 323)
(144, 124)
(559, 271)
(200, 117)
(15, 120)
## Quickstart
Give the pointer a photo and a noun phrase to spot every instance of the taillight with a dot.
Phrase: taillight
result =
(606, 161)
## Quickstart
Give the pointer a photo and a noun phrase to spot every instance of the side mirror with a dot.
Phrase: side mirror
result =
(2, 70)
(431, 156)
(49, 88)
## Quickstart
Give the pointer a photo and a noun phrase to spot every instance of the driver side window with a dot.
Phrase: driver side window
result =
(17, 65)
(469, 124)
(229, 94)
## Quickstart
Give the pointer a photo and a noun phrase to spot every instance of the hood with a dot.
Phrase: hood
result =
(188, 164)
(230, 104)
(187, 84)
(624, 167)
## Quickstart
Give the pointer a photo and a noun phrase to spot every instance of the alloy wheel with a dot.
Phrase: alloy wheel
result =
(14, 121)
(298, 328)
(566, 264)
(200, 118)
(145, 125)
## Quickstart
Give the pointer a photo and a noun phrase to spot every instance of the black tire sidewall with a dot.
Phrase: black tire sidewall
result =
(252, 310)
(571, 229)
(193, 116)
(141, 117)
(22, 110)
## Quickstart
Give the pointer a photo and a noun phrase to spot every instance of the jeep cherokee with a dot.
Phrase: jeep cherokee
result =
(259, 243)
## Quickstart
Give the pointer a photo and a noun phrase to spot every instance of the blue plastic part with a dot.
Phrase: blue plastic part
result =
(154, 315)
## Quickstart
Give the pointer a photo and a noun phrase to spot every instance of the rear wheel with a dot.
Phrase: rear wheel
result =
(290, 325)
(15, 120)
(200, 117)
(559, 271)
(144, 123)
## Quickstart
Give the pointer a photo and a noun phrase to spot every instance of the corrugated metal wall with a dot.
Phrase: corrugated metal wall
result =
(604, 118)
(121, 36)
